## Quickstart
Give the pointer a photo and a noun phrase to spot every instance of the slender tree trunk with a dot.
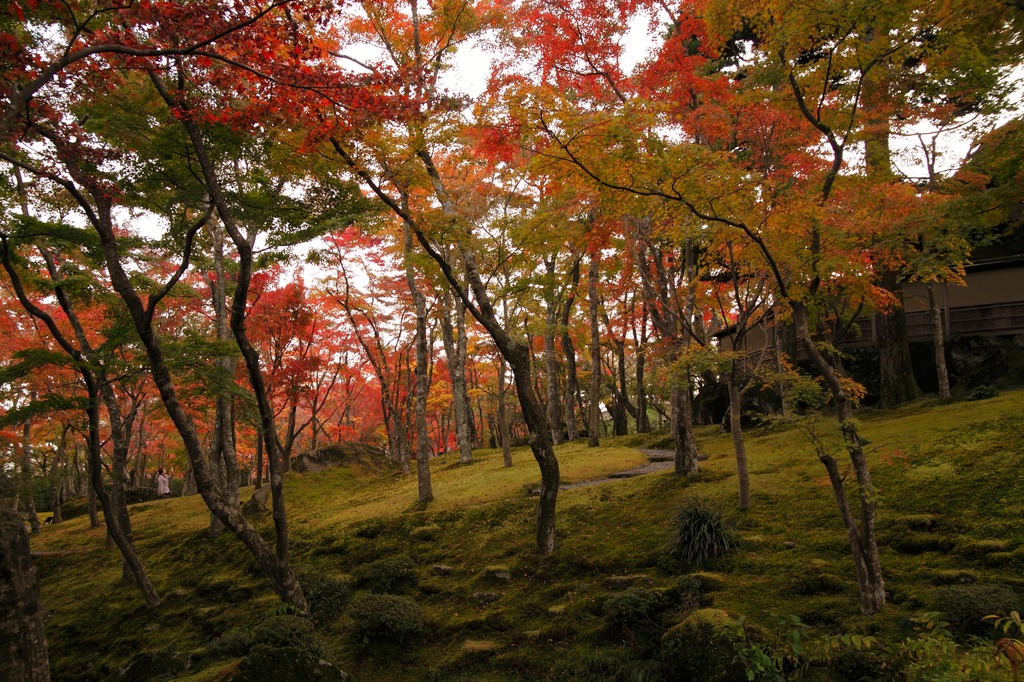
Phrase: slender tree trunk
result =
(23, 652)
(620, 421)
(454, 349)
(938, 334)
(552, 394)
(593, 437)
(140, 448)
(274, 562)
(26, 474)
(572, 387)
(682, 429)
(736, 427)
(862, 537)
(115, 511)
(643, 424)
(94, 517)
(259, 460)
(58, 475)
(898, 384)
(481, 307)
(421, 387)
(505, 433)
(223, 463)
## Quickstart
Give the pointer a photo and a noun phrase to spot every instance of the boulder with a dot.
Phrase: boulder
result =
(703, 648)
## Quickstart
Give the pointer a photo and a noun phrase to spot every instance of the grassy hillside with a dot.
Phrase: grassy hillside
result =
(950, 493)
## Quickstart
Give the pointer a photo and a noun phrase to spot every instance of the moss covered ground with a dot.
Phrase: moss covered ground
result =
(950, 494)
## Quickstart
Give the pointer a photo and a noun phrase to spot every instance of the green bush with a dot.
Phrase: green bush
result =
(378, 618)
(277, 631)
(703, 647)
(983, 392)
(388, 575)
(634, 605)
(964, 606)
(700, 533)
(326, 596)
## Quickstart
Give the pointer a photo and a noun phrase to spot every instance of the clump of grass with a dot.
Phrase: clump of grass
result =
(700, 533)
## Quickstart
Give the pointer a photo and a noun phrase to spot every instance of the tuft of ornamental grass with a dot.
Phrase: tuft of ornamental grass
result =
(700, 533)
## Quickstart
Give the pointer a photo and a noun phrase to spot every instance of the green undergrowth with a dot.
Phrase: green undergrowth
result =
(456, 591)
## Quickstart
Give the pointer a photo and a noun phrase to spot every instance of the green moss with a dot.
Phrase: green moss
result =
(945, 475)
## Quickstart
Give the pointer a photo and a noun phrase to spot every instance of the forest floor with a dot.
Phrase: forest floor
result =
(949, 485)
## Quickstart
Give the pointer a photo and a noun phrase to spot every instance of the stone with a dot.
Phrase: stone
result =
(257, 504)
(789, 544)
(479, 646)
(484, 598)
(441, 570)
(622, 582)
(498, 573)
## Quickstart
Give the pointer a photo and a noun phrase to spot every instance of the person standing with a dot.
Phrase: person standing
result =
(163, 484)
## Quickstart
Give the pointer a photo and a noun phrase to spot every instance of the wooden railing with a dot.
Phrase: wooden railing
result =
(996, 319)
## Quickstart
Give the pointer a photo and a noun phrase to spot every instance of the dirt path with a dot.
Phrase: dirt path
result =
(659, 461)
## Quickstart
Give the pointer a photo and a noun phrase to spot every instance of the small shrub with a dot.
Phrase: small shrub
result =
(326, 596)
(964, 606)
(704, 646)
(288, 631)
(385, 618)
(634, 605)
(388, 575)
(274, 631)
(808, 584)
(983, 392)
(701, 533)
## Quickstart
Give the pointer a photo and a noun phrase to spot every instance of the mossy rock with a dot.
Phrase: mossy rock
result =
(710, 582)
(702, 648)
(919, 522)
(954, 577)
(906, 541)
(807, 584)
(480, 646)
(965, 606)
(149, 665)
(423, 533)
(285, 664)
(1003, 559)
(498, 573)
(622, 582)
(979, 549)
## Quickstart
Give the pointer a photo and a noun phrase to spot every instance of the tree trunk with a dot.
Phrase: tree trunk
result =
(274, 562)
(94, 517)
(862, 538)
(454, 349)
(572, 387)
(620, 421)
(939, 336)
(504, 431)
(736, 427)
(480, 306)
(23, 652)
(552, 394)
(898, 384)
(685, 459)
(643, 424)
(223, 463)
(26, 474)
(422, 387)
(593, 437)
